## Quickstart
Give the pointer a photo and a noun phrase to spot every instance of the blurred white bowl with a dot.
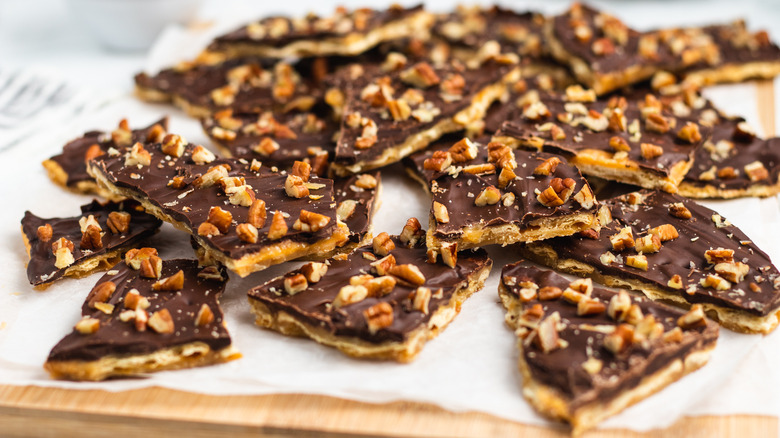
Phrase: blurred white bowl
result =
(131, 24)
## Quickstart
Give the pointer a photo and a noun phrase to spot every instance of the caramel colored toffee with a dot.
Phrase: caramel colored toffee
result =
(383, 301)
(404, 106)
(626, 139)
(674, 250)
(242, 214)
(77, 246)
(587, 353)
(492, 194)
(146, 315)
(344, 33)
(211, 83)
(69, 168)
(276, 139)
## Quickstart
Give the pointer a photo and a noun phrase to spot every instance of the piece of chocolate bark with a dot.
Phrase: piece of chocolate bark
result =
(491, 194)
(69, 168)
(402, 108)
(383, 301)
(606, 55)
(78, 246)
(211, 84)
(673, 250)
(587, 353)
(345, 33)
(629, 139)
(741, 55)
(146, 315)
(242, 214)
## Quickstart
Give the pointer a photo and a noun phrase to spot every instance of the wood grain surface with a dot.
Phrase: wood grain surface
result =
(154, 412)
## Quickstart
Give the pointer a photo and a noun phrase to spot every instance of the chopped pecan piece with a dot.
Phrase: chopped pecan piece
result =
(366, 181)
(295, 187)
(378, 316)
(201, 155)
(680, 211)
(648, 244)
(383, 244)
(205, 316)
(650, 151)
(257, 214)
(296, 283)
(44, 233)
(665, 232)
(247, 233)
(220, 218)
(421, 300)
(489, 196)
(173, 145)
(409, 273)
(302, 170)
(756, 171)
(314, 271)
(463, 151)
(173, 283)
(151, 267)
(439, 161)
(310, 222)
(101, 293)
(87, 325)
(91, 239)
(637, 261)
(690, 133)
(349, 295)
(719, 255)
(278, 228)
(693, 319)
(549, 293)
(161, 321)
(118, 222)
(412, 232)
(420, 75)
(440, 213)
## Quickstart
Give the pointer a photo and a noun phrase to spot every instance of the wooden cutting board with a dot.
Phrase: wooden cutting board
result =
(153, 412)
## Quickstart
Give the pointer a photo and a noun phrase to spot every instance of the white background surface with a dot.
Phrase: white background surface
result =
(471, 366)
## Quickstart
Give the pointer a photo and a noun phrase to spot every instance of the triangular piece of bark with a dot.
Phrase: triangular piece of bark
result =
(587, 353)
(401, 107)
(345, 33)
(78, 246)
(677, 251)
(69, 168)
(146, 315)
(383, 301)
(491, 194)
(242, 214)
(632, 139)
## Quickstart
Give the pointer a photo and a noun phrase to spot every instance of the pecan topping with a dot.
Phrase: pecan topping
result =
(547, 167)
(118, 222)
(449, 254)
(201, 155)
(440, 212)
(379, 316)
(257, 214)
(296, 283)
(161, 321)
(690, 133)
(314, 271)
(463, 151)
(366, 181)
(101, 293)
(693, 319)
(247, 233)
(383, 265)
(173, 145)
(489, 196)
(220, 218)
(138, 156)
(310, 222)
(278, 228)
(421, 299)
(412, 232)
(295, 187)
(151, 267)
(302, 170)
(439, 161)
(680, 211)
(87, 325)
(409, 273)
(91, 238)
(173, 283)
(205, 316)
(383, 244)
(650, 151)
(44, 233)
(421, 75)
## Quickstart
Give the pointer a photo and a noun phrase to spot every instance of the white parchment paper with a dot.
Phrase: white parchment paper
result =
(471, 366)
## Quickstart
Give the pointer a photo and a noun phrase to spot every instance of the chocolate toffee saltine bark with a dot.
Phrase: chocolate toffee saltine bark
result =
(78, 246)
(345, 33)
(398, 112)
(383, 301)
(733, 162)
(242, 215)
(69, 168)
(485, 195)
(741, 55)
(276, 139)
(146, 315)
(605, 54)
(588, 353)
(677, 251)
(631, 140)
(245, 84)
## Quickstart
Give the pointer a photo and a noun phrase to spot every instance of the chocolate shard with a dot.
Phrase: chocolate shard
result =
(245, 217)
(399, 108)
(587, 353)
(383, 301)
(345, 33)
(503, 196)
(675, 250)
(69, 168)
(130, 327)
(629, 138)
(44, 237)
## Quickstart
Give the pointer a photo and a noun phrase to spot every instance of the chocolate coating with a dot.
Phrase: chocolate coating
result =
(41, 269)
(580, 137)
(71, 160)
(562, 368)
(190, 205)
(311, 27)
(436, 106)
(458, 193)
(314, 305)
(118, 338)
(736, 45)
(683, 256)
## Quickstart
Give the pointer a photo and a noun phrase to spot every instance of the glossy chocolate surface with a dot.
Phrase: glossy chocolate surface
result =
(41, 268)
(190, 205)
(683, 256)
(314, 305)
(119, 338)
(435, 107)
(562, 368)
(458, 191)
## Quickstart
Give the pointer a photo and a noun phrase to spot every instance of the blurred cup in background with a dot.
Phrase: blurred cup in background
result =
(131, 24)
